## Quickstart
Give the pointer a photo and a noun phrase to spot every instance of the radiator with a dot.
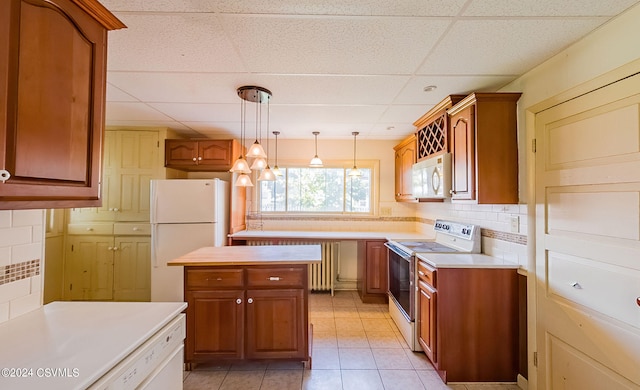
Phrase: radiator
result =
(321, 276)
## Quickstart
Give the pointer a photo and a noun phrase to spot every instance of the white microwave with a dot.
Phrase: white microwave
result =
(431, 178)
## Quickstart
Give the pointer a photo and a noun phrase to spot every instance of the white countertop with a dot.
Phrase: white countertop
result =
(464, 260)
(332, 235)
(85, 338)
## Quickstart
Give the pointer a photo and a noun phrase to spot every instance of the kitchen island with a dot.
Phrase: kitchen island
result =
(248, 302)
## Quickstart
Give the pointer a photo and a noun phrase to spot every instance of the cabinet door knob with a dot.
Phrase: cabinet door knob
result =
(238, 301)
(194, 159)
(135, 229)
(89, 229)
(110, 248)
(116, 209)
(4, 175)
(250, 300)
(452, 192)
(199, 158)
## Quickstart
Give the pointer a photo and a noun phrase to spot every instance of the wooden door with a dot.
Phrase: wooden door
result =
(427, 320)
(463, 158)
(377, 269)
(276, 324)
(89, 270)
(215, 324)
(587, 240)
(132, 268)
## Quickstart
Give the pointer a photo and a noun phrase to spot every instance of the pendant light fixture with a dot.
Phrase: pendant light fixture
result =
(355, 172)
(258, 95)
(267, 174)
(315, 161)
(276, 170)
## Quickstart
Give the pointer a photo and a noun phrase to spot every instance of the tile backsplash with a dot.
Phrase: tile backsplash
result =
(21, 253)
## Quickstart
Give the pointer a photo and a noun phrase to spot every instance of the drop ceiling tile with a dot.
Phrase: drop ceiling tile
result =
(171, 42)
(118, 111)
(159, 5)
(406, 113)
(147, 123)
(547, 7)
(448, 85)
(495, 47)
(199, 112)
(337, 45)
(326, 114)
(114, 94)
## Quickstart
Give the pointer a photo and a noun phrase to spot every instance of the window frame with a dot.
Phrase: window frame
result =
(374, 191)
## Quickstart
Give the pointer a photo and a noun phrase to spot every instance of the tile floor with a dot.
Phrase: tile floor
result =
(355, 346)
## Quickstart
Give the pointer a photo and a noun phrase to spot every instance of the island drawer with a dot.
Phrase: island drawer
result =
(427, 273)
(213, 278)
(276, 277)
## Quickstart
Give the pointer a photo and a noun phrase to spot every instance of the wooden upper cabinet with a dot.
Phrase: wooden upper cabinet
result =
(433, 129)
(52, 84)
(201, 155)
(484, 148)
(404, 160)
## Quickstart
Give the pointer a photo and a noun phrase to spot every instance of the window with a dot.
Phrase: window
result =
(317, 190)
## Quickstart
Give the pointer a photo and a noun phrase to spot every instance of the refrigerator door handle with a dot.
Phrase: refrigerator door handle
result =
(154, 245)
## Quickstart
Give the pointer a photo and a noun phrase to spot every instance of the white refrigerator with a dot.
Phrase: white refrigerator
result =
(186, 214)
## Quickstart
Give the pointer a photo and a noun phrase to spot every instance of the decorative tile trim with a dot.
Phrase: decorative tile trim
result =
(14, 272)
(504, 236)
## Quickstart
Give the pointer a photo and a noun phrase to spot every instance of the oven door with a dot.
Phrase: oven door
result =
(401, 281)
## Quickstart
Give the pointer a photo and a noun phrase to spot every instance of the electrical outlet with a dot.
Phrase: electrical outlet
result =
(515, 224)
(385, 211)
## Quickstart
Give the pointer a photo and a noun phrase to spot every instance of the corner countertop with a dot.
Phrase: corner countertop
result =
(250, 255)
(87, 339)
(465, 260)
(327, 235)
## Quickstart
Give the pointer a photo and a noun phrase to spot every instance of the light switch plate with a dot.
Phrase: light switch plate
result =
(515, 224)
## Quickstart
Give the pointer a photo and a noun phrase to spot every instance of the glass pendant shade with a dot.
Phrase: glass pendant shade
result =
(354, 172)
(241, 166)
(276, 171)
(256, 151)
(259, 163)
(267, 175)
(244, 181)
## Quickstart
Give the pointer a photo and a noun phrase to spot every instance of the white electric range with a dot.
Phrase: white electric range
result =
(451, 237)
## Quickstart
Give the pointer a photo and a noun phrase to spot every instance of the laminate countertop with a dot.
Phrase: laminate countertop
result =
(70, 345)
(331, 235)
(250, 255)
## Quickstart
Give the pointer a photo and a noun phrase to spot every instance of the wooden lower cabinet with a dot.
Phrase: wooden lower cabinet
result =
(470, 332)
(373, 271)
(247, 312)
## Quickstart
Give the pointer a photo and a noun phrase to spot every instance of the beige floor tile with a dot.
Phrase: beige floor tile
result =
(419, 360)
(249, 366)
(211, 366)
(391, 359)
(325, 359)
(321, 380)
(376, 325)
(282, 380)
(324, 339)
(401, 380)
(353, 339)
(204, 380)
(321, 312)
(345, 312)
(348, 324)
(324, 325)
(285, 365)
(344, 302)
(432, 381)
(242, 380)
(361, 380)
(356, 359)
(370, 312)
(383, 340)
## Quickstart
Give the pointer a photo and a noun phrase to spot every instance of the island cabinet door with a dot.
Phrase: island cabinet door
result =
(276, 324)
(215, 324)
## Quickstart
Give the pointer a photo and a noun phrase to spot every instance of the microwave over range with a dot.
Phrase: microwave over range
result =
(431, 178)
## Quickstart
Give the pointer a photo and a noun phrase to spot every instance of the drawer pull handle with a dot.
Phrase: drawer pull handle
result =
(638, 301)
(576, 285)
(135, 229)
(274, 278)
(250, 300)
(218, 279)
(420, 273)
(238, 301)
(89, 229)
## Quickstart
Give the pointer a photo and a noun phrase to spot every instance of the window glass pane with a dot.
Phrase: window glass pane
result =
(315, 190)
(358, 192)
(273, 194)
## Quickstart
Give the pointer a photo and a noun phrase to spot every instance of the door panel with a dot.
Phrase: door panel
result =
(588, 240)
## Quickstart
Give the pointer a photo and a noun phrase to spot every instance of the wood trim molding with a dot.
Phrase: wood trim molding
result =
(100, 13)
